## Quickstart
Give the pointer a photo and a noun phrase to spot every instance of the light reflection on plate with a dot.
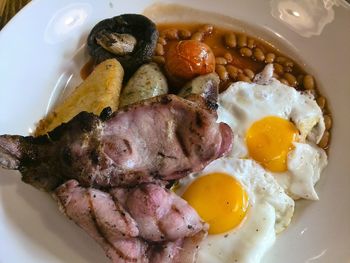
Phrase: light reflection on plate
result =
(66, 21)
(307, 18)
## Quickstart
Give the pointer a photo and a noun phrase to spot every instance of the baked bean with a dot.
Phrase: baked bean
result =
(300, 79)
(171, 34)
(197, 36)
(220, 61)
(232, 71)
(242, 40)
(278, 68)
(207, 29)
(288, 63)
(162, 41)
(324, 141)
(249, 73)
(287, 69)
(230, 40)
(237, 54)
(327, 121)
(284, 81)
(259, 54)
(280, 60)
(242, 77)
(308, 82)
(159, 50)
(292, 81)
(184, 34)
(251, 43)
(228, 57)
(222, 72)
(270, 58)
(246, 52)
(321, 101)
(158, 59)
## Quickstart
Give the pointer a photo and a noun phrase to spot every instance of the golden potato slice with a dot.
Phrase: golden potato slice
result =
(99, 90)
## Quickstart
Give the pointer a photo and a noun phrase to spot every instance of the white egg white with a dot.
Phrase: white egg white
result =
(305, 164)
(244, 103)
(270, 212)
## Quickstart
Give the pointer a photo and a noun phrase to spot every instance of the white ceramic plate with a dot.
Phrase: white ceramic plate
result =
(41, 51)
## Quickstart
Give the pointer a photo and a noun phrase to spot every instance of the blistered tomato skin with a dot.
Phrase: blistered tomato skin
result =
(187, 59)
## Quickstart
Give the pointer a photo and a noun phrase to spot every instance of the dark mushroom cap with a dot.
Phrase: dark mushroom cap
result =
(139, 26)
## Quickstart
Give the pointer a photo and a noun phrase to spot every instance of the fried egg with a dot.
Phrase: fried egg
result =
(279, 128)
(243, 205)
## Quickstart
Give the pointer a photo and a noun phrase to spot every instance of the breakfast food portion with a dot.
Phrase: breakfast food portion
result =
(278, 127)
(147, 82)
(184, 143)
(243, 205)
(162, 138)
(130, 38)
(146, 223)
(100, 90)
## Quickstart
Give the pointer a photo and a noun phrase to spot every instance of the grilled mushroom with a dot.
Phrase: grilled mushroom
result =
(130, 38)
(118, 44)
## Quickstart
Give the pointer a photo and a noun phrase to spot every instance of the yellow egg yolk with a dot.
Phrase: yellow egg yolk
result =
(219, 200)
(269, 141)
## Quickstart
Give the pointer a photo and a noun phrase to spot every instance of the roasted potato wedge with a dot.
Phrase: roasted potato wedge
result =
(99, 90)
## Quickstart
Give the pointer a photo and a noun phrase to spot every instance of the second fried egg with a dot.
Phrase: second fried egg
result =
(243, 205)
(278, 127)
